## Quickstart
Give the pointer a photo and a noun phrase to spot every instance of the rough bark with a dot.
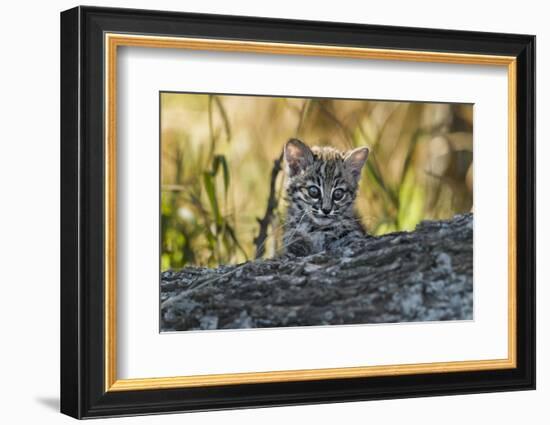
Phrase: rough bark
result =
(424, 275)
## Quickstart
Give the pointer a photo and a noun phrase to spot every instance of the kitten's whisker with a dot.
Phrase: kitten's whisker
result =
(273, 230)
(279, 227)
(286, 242)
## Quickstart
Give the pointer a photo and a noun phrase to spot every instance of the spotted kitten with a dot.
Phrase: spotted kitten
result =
(321, 189)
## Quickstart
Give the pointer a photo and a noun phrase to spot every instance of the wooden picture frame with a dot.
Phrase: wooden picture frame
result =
(90, 39)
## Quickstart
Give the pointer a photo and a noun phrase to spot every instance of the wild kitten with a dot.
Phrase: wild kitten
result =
(321, 189)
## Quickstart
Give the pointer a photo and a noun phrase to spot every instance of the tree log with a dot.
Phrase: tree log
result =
(424, 275)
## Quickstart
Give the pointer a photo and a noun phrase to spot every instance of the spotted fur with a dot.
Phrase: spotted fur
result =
(321, 189)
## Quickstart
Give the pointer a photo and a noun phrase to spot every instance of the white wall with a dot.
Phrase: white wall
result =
(29, 225)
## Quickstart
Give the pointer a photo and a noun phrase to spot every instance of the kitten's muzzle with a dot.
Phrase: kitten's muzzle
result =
(326, 211)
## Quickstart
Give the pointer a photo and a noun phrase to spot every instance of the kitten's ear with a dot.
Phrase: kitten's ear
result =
(355, 160)
(298, 157)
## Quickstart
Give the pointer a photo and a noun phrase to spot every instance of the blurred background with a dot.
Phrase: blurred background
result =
(219, 154)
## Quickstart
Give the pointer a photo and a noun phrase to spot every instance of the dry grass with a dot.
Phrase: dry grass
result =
(218, 151)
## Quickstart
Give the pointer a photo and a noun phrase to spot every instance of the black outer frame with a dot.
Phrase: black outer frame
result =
(82, 218)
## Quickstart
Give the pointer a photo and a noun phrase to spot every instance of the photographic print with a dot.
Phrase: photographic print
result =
(287, 211)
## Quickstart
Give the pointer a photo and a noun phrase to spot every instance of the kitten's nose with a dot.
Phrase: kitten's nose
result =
(326, 211)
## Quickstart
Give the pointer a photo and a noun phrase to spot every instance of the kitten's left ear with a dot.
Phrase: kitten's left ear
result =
(355, 160)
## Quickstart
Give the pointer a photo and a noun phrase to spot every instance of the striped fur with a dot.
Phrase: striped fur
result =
(321, 189)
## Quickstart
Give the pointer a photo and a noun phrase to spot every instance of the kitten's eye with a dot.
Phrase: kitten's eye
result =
(313, 191)
(337, 194)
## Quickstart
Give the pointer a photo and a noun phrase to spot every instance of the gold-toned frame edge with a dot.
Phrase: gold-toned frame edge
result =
(114, 40)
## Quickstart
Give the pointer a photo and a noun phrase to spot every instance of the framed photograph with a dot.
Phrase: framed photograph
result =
(261, 212)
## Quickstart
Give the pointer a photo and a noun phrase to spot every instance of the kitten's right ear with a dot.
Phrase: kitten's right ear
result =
(298, 157)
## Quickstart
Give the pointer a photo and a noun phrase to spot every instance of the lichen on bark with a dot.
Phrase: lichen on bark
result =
(423, 275)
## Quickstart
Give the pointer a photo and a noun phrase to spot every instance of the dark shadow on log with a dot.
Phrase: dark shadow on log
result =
(425, 275)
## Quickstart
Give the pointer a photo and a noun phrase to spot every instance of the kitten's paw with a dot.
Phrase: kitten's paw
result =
(299, 249)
